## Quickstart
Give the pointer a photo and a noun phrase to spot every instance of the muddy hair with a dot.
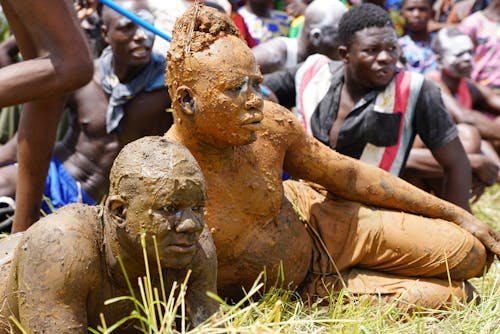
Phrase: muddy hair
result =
(436, 45)
(194, 31)
(359, 17)
(151, 161)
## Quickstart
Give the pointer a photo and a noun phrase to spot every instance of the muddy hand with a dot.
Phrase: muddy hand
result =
(487, 235)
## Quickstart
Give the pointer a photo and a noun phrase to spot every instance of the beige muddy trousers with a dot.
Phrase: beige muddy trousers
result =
(380, 253)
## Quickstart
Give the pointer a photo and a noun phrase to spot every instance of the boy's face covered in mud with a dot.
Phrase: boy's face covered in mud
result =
(227, 97)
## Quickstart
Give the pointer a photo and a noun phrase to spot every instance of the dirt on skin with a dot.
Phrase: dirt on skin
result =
(56, 276)
(253, 224)
(194, 34)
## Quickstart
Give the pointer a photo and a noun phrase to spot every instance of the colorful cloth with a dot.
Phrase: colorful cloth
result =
(485, 35)
(295, 26)
(263, 29)
(239, 22)
(152, 77)
(61, 189)
(419, 55)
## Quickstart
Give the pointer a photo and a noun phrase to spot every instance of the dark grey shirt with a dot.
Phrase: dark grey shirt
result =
(363, 125)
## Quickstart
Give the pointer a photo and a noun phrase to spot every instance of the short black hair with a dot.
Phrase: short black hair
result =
(359, 17)
(447, 31)
(430, 2)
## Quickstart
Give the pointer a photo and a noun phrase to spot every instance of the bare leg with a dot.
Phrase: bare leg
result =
(34, 158)
(489, 150)
(57, 60)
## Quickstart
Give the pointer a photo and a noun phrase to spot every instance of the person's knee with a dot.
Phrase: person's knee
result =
(75, 72)
(473, 264)
(470, 137)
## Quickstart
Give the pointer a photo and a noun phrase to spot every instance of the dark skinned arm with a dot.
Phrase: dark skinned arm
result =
(456, 171)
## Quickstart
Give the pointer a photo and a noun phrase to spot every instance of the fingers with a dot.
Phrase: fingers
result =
(491, 240)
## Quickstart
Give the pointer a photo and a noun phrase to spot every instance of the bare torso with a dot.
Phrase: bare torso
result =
(87, 151)
(253, 224)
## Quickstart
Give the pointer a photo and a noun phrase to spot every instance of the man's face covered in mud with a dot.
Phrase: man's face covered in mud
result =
(226, 99)
(172, 211)
(157, 189)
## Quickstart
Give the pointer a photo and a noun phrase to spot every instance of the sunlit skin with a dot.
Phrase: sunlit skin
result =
(253, 224)
(67, 264)
(56, 61)
(236, 94)
(87, 150)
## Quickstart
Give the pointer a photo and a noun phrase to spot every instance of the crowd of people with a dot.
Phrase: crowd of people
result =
(314, 124)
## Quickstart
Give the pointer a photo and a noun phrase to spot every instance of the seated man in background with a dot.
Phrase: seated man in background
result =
(367, 108)
(125, 100)
(56, 276)
(318, 35)
(467, 101)
(461, 97)
(357, 227)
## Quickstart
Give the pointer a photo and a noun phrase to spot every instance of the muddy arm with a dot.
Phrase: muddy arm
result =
(306, 158)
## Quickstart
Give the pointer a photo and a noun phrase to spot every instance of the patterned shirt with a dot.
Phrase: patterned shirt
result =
(419, 55)
(485, 35)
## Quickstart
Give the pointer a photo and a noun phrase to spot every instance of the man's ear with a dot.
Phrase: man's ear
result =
(343, 53)
(186, 100)
(315, 36)
(117, 209)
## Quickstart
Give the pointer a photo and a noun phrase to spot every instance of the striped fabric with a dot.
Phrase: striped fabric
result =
(313, 81)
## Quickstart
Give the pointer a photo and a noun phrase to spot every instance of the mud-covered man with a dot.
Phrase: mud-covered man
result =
(243, 143)
(65, 266)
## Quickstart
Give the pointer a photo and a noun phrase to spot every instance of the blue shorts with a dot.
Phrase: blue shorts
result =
(61, 189)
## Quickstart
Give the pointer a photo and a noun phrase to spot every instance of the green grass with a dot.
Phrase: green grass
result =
(281, 311)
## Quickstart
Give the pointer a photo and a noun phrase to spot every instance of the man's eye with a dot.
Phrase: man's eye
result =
(170, 209)
(198, 209)
(256, 85)
(127, 27)
(237, 89)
